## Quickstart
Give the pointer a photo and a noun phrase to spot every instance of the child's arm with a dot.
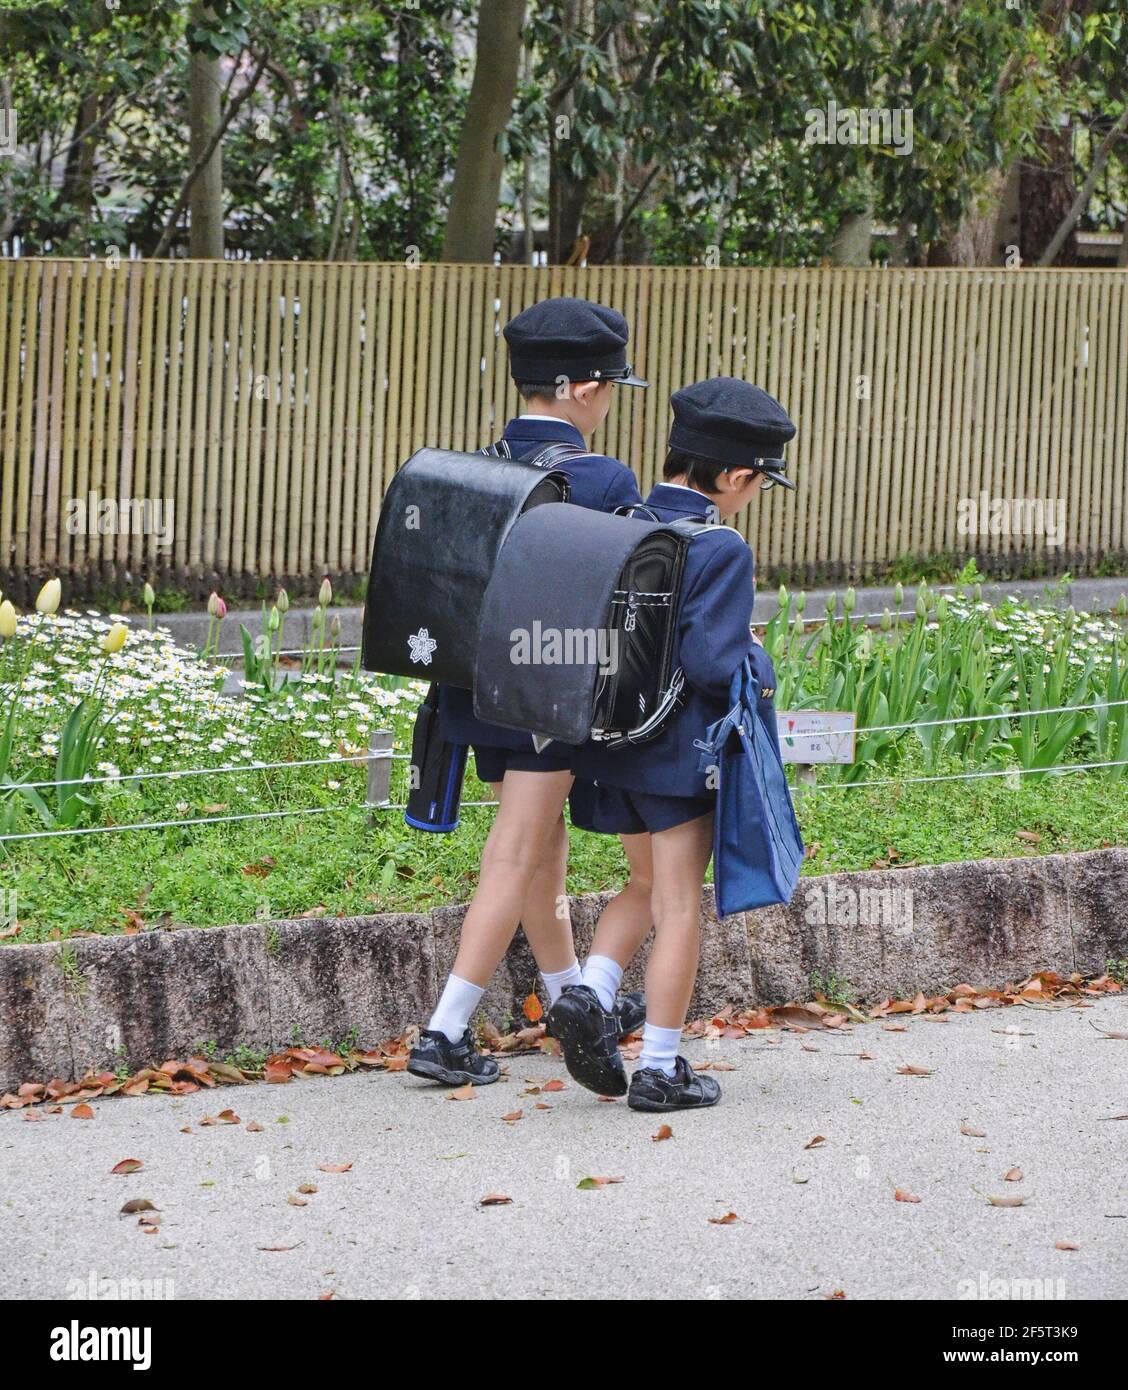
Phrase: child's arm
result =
(716, 613)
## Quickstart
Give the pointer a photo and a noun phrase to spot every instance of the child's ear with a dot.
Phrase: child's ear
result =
(585, 391)
(740, 478)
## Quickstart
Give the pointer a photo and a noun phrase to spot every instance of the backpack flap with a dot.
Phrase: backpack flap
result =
(547, 634)
(443, 521)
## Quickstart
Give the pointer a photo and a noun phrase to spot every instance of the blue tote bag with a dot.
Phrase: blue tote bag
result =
(757, 848)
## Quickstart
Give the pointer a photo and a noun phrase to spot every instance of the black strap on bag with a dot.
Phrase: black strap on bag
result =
(437, 772)
(547, 456)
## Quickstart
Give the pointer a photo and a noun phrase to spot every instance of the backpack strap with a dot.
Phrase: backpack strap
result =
(546, 456)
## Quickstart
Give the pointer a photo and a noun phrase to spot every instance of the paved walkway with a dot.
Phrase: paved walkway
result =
(405, 1220)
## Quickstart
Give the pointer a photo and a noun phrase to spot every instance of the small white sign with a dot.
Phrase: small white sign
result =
(816, 735)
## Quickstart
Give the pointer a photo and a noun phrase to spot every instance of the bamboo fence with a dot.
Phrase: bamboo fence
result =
(270, 404)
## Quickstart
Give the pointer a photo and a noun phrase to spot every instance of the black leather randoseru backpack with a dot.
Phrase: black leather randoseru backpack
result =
(562, 620)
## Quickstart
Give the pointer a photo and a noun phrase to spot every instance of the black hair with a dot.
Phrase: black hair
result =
(530, 390)
(699, 473)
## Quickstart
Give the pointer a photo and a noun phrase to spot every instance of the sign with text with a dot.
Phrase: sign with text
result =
(816, 735)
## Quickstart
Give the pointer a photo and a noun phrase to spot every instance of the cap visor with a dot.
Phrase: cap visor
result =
(631, 380)
(779, 478)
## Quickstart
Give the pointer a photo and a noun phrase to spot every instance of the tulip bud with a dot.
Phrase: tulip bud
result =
(1122, 606)
(849, 601)
(7, 619)
(148, 597)
(941, 609)
(282, 602)
(922, 605)
(325, 593)
(801, 601)
(977, 591)
(335, 627)
(832, 603)
(886, 620)
(782, 596)
(50, 597)
(216, 606)
(273, 620)
(114, 640)
(899, 594)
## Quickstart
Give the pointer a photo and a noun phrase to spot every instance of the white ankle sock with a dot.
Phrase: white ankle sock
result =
(604, 975)
(458, 1002)
(659, 1047)
(555, 980)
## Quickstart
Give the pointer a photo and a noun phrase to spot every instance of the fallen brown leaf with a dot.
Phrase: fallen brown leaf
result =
(664, 1132)
(127, 1165)
(901, 1196)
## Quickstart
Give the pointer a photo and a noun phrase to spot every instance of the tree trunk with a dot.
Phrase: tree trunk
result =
(78, 176)
(205, 198)
(850, 244)
(472, 219)
(1046, 194)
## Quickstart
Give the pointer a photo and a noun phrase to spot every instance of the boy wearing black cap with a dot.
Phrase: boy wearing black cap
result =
(565, 355)
(725, 446)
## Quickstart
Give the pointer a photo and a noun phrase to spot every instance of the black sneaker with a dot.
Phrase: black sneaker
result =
(629, 1011)
(589, 1039)
(454, 1064)
(652, 1089)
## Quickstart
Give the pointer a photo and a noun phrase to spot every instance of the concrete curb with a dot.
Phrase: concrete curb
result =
(135, 1000)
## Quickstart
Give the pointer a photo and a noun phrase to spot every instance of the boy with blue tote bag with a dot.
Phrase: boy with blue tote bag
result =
(565, 355)
(725, 447)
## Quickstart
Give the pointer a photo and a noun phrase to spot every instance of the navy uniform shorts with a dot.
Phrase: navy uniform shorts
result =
(493, 763)
(614, 811)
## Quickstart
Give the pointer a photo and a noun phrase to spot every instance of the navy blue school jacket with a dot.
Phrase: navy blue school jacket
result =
(596, 481)
(713, 639)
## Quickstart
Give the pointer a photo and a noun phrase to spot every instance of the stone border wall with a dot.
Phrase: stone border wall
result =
(99, 1002)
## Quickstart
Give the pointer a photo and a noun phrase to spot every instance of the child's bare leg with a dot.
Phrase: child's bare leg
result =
(625, 921)
(526, 829)
(681, 857)
(546, 917)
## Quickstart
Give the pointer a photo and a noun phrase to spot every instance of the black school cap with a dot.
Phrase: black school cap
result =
(734, 423)
(571, 338)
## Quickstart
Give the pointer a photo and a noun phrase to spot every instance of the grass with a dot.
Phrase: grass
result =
(336, 864)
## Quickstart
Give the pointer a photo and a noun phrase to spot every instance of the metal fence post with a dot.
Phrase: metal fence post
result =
(379, 771)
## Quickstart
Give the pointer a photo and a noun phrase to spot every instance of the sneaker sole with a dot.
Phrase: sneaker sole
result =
(569, 1028)
(431, 1071)
(666, 1106)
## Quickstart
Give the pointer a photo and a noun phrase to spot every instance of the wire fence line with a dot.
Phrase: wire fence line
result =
(959, 719)
(373, 755)
(373, 808)
(378, 754)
